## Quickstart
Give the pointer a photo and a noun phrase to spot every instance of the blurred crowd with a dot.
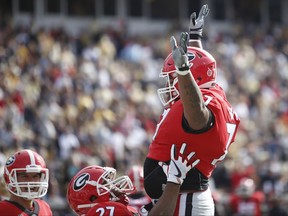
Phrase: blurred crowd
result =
(92, 99)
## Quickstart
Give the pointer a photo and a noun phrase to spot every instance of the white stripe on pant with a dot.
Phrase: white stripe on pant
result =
(202, 204)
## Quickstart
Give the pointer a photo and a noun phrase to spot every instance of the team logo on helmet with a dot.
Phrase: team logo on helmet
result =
(191, 56)
(80, 182)
(10, 160)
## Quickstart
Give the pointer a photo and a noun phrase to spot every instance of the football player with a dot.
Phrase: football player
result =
(95, 184)
(26, 178)
(95, 190)
(247, 200)
(196, 112)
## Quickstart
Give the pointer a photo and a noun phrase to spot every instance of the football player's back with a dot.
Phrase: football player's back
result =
(109, 209)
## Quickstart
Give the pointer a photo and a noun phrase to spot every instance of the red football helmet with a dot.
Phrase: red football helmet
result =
(246, 187)
(203, 69)
(135, 173)
(26, 161)
(95, 184)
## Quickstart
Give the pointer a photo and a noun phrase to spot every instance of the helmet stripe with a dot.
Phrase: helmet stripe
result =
(32, 158)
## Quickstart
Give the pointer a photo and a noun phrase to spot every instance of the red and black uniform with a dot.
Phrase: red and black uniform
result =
(41, 208)
(210, 144)
(250, 206)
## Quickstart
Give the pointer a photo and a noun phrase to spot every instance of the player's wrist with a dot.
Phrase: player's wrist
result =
(175, 180)
(183, 71)
(194, 40)
(195, 36)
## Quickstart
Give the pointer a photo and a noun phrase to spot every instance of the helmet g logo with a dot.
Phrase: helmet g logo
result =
(80, 182)
(10, 160)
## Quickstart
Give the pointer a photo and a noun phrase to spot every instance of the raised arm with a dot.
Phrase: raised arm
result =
(181, 162)
(196, 113)
(196, 27)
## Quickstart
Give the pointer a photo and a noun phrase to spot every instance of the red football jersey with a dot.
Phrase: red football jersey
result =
(210, 146)
(110, 209)
(41, 208)
(249, 206)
